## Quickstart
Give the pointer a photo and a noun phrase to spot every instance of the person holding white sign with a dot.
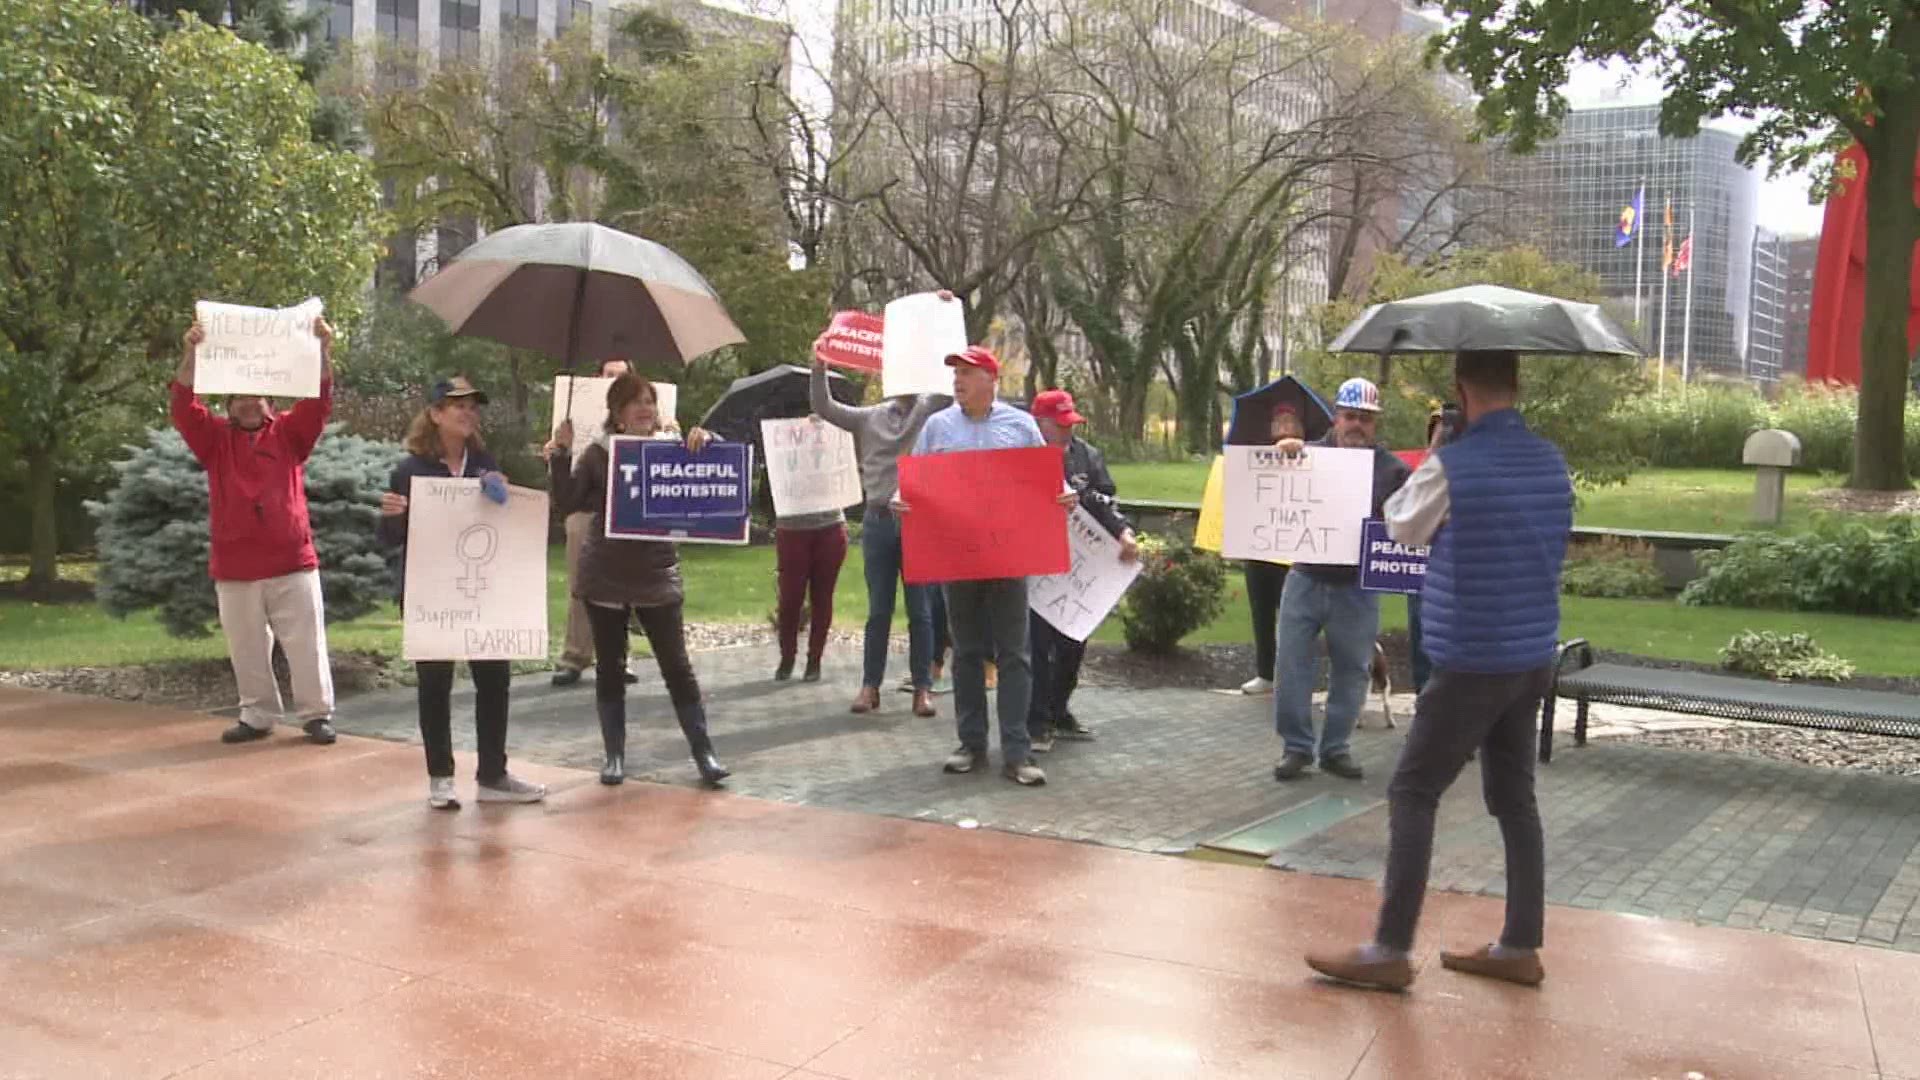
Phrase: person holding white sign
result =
(809, 547)
(444, 440)
(577, 655)
(1319, 599)
(621, 579)
(1057, 657)
(265, 571)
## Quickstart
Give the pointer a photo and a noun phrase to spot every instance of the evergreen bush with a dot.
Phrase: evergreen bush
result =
(1179, 590)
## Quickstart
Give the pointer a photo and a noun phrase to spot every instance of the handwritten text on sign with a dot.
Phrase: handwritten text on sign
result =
(1386, 565)
(811, 466)
(659, 490)
(250, 350)
(1305, 509)
(977, 515)
(1078, 601)
(476, 573)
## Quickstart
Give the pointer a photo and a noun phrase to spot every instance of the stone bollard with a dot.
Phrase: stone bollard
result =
(1774, 452)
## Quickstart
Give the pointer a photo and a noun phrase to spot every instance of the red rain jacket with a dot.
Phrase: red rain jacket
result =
(256, 484)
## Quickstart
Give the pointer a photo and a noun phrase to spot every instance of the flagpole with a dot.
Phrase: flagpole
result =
(1686, 325)
(1666, 287)
(1640, 256)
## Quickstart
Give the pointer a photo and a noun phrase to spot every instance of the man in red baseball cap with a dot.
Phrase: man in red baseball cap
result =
(1057, 657)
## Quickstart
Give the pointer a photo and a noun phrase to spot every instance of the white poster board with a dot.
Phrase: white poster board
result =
(1078, 601)
(249, 350)
(586, 406)
(919, 333)
(476, 573)
(1306, 509)
(811, 466)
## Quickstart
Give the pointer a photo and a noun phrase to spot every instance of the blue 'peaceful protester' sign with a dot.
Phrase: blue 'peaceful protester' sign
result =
(660, 490)
(1387, 565)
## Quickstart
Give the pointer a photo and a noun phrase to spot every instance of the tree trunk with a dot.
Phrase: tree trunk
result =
(1893, 226)
(41, 571)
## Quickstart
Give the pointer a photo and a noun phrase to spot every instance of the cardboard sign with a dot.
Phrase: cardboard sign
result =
(248, 350)
(583, 400)
(977, 515)
(853, 341)
(922, 330)
(811, 466)
(1386, 565)
(659, 490)
(476, 573)
(1078, 601)
(1305, 509)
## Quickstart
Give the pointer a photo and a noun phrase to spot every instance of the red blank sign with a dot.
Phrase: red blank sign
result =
(851, 340)
(981, 514)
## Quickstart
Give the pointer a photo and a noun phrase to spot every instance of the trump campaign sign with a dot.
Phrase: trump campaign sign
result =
(1386, 565)
(659, 490)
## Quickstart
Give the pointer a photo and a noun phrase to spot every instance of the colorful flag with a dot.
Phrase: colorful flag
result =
(1666, 258)
(1683, 262)
(1623, 233)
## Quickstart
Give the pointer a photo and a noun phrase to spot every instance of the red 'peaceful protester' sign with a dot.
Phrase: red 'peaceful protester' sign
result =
(980, 514)
(851, 340)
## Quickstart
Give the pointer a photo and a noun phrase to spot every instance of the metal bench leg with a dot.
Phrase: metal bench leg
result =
(1580, 724)
(1546, 729)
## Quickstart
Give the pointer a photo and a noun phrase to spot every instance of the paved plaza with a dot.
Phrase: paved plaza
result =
(172, 907)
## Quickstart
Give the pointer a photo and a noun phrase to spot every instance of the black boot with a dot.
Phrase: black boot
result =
(613, 732)
(693, 723)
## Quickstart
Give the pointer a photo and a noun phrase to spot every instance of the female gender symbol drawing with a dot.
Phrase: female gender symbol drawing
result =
(475, 548)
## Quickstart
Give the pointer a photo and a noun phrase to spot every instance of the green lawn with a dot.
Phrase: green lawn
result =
(1670, 500)
(736, 585)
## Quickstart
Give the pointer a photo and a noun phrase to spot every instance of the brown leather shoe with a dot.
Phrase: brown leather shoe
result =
(1524, 970)
(866, 701)
(1354, 966)
(923, 703)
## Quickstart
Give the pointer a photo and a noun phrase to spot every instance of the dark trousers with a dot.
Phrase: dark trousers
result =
(1417, 656)
(1056, 673)
(665, 633)
(990, 623)
(435, 694)
(1264, 583)
(942, 631)
(1457, 716)
(809, 561)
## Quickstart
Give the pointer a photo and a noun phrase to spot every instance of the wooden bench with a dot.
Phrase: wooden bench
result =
(1726, 697)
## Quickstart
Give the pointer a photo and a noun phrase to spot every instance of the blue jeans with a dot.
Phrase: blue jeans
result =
(1350, 619)
(990, 623)
(1417, 656)
(880, 547)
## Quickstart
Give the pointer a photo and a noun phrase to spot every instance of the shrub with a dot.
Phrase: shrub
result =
(1179, 590)
(153, 534)
(1783, 656)
(1612, 570)
(1842, 566)
(1706, 427)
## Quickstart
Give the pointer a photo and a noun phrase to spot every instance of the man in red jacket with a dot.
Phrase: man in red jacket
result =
(263, 564)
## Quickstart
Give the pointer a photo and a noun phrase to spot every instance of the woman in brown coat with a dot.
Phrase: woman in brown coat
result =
(623, 579)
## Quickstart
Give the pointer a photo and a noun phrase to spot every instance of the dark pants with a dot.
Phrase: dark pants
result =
(667, 636)
(942, 630)
(435, 694)
(990, 623)
(1264, 582)
(880, 547)
(1417, 656)
(1056, 672)
(1457, 716)
(809, 561)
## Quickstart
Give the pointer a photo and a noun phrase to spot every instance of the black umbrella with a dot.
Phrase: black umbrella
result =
(778, 393)
(1486, 317)
(1252, 422)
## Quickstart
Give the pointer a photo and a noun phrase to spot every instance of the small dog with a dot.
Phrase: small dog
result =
(1382, 685)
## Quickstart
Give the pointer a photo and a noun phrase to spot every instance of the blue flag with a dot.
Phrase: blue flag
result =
(1629, 226)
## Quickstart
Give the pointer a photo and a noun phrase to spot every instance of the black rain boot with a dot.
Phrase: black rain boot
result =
(693, 723)
(613, 732)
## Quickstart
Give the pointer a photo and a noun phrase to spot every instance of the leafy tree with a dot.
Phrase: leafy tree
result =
(1812, 76)
(138, 174)
(293, 29)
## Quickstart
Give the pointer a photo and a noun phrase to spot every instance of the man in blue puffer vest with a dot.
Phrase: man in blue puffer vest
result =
(1497, 506)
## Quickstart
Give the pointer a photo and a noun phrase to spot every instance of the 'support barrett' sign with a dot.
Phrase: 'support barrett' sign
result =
(1386, 565)
(476, 573)
(660, 490)
(1305, 509)
(250, 350)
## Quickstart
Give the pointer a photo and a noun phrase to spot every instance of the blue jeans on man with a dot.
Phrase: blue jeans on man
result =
(1350, 620)
(880, 547)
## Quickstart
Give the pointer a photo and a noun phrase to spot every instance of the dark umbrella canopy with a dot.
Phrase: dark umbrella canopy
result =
(778, 393)
(1486, 317)
(1253, 412)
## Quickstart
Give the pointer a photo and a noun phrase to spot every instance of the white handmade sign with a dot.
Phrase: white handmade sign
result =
(1078, 601)
(811, 466)
(1306, 509)
(920, 332)
(476, 573)
(583, 400)
(248, 350)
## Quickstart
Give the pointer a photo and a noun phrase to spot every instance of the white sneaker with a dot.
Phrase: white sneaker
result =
(510, 788)
(1257, 685)
(440, 793)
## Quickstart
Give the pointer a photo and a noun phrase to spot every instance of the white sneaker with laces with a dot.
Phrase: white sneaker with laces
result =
(440, 793)
(1259, 684)
(512, 789)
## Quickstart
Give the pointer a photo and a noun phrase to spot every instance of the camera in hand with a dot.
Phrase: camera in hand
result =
(1448, 424)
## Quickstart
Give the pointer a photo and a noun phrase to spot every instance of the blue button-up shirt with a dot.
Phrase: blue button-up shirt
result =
(1003, 428)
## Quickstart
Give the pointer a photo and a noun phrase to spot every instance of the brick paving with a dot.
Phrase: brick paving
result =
(1710, 838)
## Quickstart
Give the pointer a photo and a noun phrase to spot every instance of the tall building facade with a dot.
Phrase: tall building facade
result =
(1568, 197)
